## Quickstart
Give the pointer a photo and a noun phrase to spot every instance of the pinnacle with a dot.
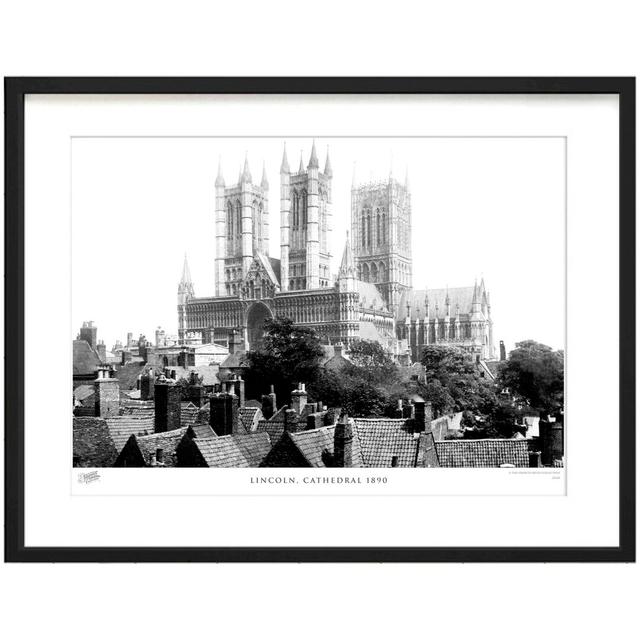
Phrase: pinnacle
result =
(284, 167)
(313, 161)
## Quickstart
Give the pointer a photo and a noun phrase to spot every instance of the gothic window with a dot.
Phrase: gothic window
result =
(304, 208)
(229, 220)
(374, 272)
(384, 228)
(365, 272)
(294, 210)
(378, 230)
(369, 229)
(364, 231)
(323, 222)
(238, 224)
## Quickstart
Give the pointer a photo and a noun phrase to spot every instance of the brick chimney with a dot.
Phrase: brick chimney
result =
(423, 414)
(147, 385)
(89, 332)
(503, 351)
(224, 416)
(107, 393)
(343, 442)
(551, 440)
(167, 405)
(101, 348)
(299, 398)
(291, 422)
(269, 404)
(398, 412)
(235, 385)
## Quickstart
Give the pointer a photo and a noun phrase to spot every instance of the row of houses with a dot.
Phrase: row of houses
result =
(166, 424)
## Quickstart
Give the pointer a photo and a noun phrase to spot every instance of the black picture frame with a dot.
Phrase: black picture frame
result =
(15, 91)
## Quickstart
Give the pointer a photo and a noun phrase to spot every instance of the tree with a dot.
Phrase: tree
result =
(453, 382)
(535, 372)
(289, 354)
(370, 354)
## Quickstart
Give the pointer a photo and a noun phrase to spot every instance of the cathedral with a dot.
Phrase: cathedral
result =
(372, 296)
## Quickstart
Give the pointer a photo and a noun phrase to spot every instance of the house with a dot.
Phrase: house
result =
(240, 450)
(153, 450)
(483, 453)
(93, 443)
(371, 443)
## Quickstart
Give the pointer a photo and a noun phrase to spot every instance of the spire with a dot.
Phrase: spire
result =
(185, 288)
(346, 266)
(475, 303)
(301, 167)
(264, 183)
(284, 167)
(347, 272)
(186, 273)
(220, 178)
(313, 160)
(246, 173)
(327, 166)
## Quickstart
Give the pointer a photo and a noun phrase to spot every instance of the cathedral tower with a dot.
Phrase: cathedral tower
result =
(305, 199)
(242, 228)
(381, 231)
(185, 293)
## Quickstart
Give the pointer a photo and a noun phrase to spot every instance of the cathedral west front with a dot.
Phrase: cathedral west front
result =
(371, 297)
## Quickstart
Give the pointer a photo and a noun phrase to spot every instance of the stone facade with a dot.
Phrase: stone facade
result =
(370, 298)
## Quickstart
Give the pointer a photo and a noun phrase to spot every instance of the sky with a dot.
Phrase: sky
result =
(481, 207)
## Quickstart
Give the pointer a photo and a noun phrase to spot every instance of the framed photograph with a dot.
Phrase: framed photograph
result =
(320, 319)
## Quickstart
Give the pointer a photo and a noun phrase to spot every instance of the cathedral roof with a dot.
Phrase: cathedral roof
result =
(369, 294)
(270, 265)
(458, 296)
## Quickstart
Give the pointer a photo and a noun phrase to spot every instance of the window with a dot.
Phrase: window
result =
(159, 456)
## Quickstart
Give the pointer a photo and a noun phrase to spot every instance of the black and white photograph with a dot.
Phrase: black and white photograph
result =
(335, 302)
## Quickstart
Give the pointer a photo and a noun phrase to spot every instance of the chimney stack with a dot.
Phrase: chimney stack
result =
(107, 393)
(224, 416)
(423, 415)
(343, 442)
(291, 420)
(89, 333)
(102, 351)
(147, 384)
(269, 404)
(399, 411)
(235, 385)
(195, 391)
(551, 440)
(299, 398)
(167, 405)
(503, 351)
